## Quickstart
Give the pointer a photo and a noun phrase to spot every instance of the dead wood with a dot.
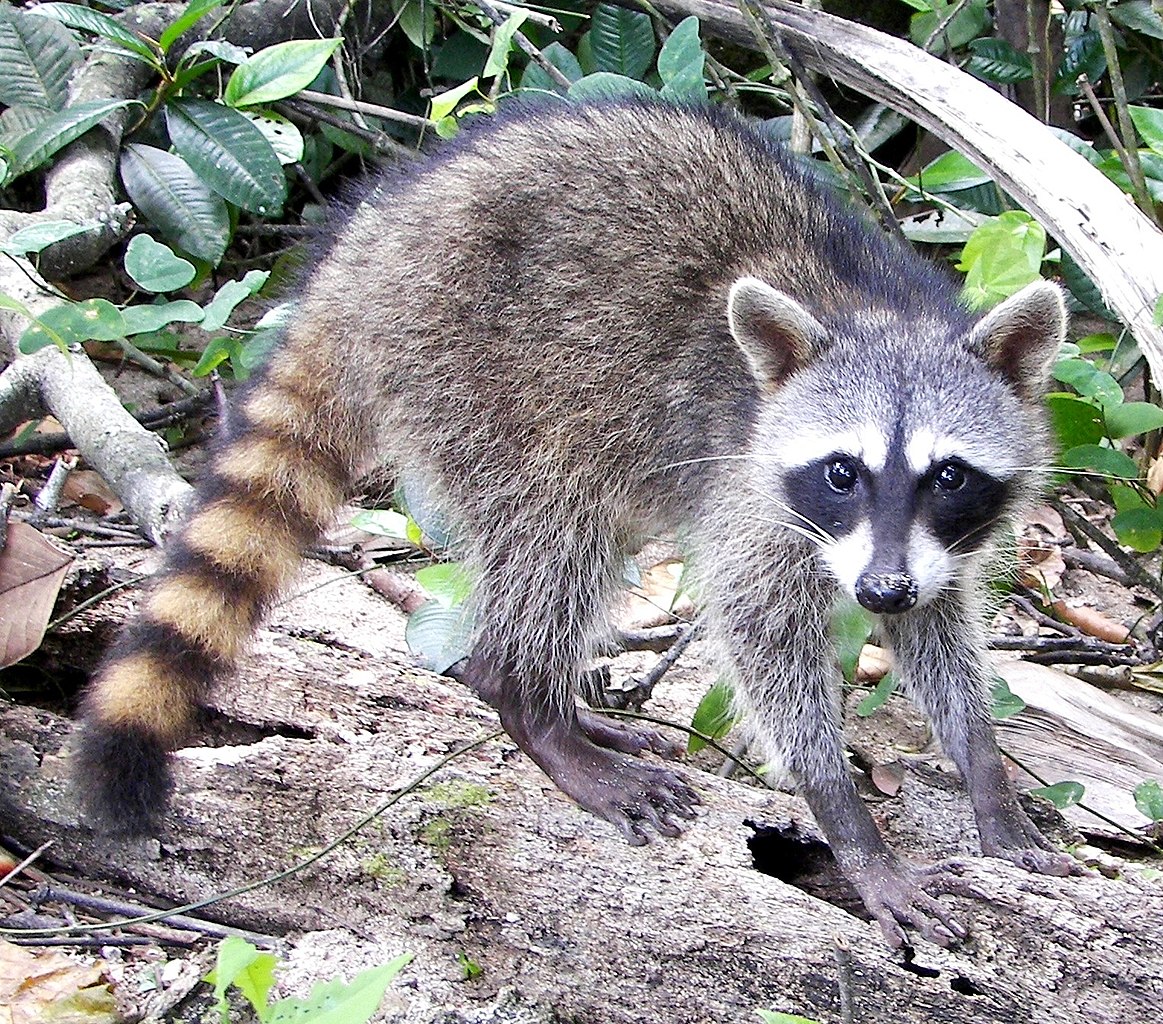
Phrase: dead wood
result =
(563, 918)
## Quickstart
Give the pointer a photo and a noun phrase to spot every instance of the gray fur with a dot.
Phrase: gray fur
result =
(537, 324)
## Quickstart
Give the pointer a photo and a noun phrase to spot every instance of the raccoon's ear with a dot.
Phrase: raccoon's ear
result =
(776, 333)
(1020, 338)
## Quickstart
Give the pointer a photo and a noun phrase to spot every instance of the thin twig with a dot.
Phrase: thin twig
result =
(32, 857)
(1083, 530)
(324, 99)
(534, 54)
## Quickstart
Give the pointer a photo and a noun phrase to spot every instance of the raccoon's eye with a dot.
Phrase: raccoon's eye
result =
(950, 476)
(842, 475)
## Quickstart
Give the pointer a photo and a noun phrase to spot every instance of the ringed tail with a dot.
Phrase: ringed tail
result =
(272, 487)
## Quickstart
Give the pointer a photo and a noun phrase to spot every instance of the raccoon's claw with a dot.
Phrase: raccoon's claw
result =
(627, 737)
(1014, 837)
(1042, 862)
(896, 895)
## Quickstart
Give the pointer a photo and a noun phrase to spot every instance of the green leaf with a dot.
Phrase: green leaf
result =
(235, 957)
(771, 1016)
(147, 318)
(715, 716)
(604, 85)
(970, 22)
(71, 323)
(1061, 794)
(1084, 56)
(1076, 420)
(195, 11)
(1087, 379)
(169, 192)
(439, 636)
(229, 153)
(1132, 418)
(215, 354)
(154, 267)
(996, 60)
(417, 20)
(1138, 16)
(37, 57)
(227, 298)
(1002, 257)
(1157, 318)
(1149, 799)
(536, 77)
(851, 628)
(621, 40)
(333, 1002)
(1105, 461)
(54, 133)
(88, 20)
(443, 104)
(878, 696)
(450, 583)
(498, 58)
(681, 62)
(1140, 529)
(1005, 703)
(284, 136)
(950, 172)
(1149, 124)
(383, 522)
(278, 71)
(38, 237)
(1150, 162)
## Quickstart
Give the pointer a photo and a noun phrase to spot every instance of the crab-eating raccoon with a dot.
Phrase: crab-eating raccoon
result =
(580, 326)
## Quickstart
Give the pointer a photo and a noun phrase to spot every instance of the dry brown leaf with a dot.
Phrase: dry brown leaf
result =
(31, 572)
(1155, 475)
(87, 489)
(887, 778)
(1040, 566)
(38, 988)
(1092, 622)
(653, 601)
(1048, 519)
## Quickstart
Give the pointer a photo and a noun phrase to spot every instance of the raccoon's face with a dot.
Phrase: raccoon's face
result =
(895, 516)
(897, 447)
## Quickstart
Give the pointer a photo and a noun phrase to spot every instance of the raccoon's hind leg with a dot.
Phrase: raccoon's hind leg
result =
(937, 650)
(540, 607)
(271, 487)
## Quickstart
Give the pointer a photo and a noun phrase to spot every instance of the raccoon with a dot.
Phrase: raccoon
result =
(583, 325)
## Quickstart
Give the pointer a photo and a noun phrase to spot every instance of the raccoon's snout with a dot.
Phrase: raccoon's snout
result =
(887, 592)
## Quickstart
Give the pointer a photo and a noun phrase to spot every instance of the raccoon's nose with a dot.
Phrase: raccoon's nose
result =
(888, 592)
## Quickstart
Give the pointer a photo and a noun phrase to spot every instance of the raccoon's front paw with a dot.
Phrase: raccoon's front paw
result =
(897, 895)
(628, 737)
(1014, 837)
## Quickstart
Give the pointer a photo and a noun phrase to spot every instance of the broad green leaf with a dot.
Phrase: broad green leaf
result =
(154, 267)
(1132, 418)
(1002, 257)
(942, 227)
(333, 1002)
(680, 64)
(383, 522)
(536, 77)
(172, 195)
(715, 716)
(1084, 56)
(879, 695)
(417, 20)
(55, 132)
(498, 58)
(145, 319)
(37, 57)
(38, 237)
(1076, 420)
(229, 153)
(443, 104)
(278, 71)
(439, 636)
(1005, 703)
(1138, 16)
(996, 60)
(772, 1016)
(427, 513)
(449, 582)
(195, 11)
(950, 172)
(1061, 794)
(1157, 318)
(256, 348)
(1149, 799)
(1105, 461)
(1140, 529)
(1080, 146)
(71, 323)
(969, 22)
(1101, 342)
(283, 135)
(227, 298)
(1087, 379)
(622, 41)
(604, 85)
(237, 959)
(1125, 498)
(1083, 288)
(851, 628)
(1151, 164)
(216, 353)
(88, 20)
(1149, 123)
